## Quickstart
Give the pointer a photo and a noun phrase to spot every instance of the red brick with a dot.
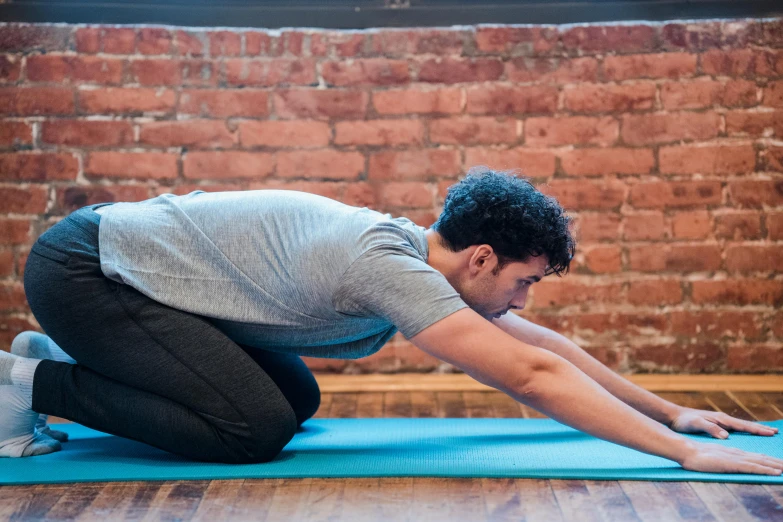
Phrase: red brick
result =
(695, 36)
(609, 98)
(675, 194)
(359, 194)
(284, 133)
(551, 70)
(87, 133)
(643, 129)
(30, 200)
(571, 130)
(578, 195)
(246, 103)
(262, 44)
(386, 133)
(88, 40)
(199, 72)
(740, 93)
(691, 225)
(640, 227)
(738, 225)
(371, 71)
(699, 94)
(655, 292)
(743, 62)
(690, 358)
(153, 40)
(749, 123)
(447, 100)
(716, 324)
(338, 43)
(674, 258)
(190, 43)
(224, 43)
(14, 231)
(439, 41)
(774, 222)
(38, 167)
(612, 38)
(294, 42)
(320, 104)
(772, 158)
(227, 165)
(12, 297)
(34, 101)
(665, 65)
(776, 325)
(118, 40)
(595, 161)
(10, 68)
(711, 159)
(140, 165)
(472, 131)
(744, 257)
(618, 325)
(603, 259)
(564, 293)
(739, 292)
(74, 69)
(187, 133)
(597, 226)
(516, 40)
(773, 94)
(537, 163)
(756, 192)
(460, 70)
(126, 100)
(323, 163)
(270, 72)
(6, 264)
(75, 197)
(163, 71)
(404, 194)
(15, 133)
(493, 99)
(29, 37)
(747, 357)
(413, 164)
(772, 32)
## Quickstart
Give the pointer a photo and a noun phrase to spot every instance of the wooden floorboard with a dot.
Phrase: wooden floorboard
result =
(421, 498)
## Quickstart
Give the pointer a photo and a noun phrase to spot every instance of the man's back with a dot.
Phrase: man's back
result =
(277, 268)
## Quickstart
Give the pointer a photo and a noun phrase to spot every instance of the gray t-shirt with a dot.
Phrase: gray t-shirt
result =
(282, 270)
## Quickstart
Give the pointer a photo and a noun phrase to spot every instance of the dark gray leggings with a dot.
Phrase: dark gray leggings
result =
(149, 372)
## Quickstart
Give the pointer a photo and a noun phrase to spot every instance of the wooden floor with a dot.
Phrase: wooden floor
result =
(427, 499)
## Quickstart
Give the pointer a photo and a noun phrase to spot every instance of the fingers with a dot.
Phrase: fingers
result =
(735, 424)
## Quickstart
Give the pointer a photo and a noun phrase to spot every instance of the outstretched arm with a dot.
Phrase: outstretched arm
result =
(642, 400)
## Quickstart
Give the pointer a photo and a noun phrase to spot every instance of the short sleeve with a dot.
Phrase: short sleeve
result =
(400, 288)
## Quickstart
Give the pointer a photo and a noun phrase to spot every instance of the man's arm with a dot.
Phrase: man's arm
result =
(642, 400)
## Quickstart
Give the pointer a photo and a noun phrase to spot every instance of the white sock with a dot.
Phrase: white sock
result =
(18, 436)
(36, 345)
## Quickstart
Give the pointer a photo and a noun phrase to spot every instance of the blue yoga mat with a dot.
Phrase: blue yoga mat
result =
(431, 447)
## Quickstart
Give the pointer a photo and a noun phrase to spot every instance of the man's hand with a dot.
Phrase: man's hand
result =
(690, 420)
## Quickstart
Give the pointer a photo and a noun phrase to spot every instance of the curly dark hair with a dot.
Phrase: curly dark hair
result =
(506, 211)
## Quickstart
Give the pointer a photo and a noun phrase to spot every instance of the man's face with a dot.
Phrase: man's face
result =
(493, 294)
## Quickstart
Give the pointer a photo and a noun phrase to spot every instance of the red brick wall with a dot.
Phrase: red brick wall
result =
(666, 140)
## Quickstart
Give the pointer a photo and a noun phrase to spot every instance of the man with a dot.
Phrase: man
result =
(186, 317)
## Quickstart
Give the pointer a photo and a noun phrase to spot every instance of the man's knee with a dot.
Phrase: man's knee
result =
(271, 436)
(308, 402)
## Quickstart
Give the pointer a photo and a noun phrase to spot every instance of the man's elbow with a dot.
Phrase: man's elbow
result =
(546, 366)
